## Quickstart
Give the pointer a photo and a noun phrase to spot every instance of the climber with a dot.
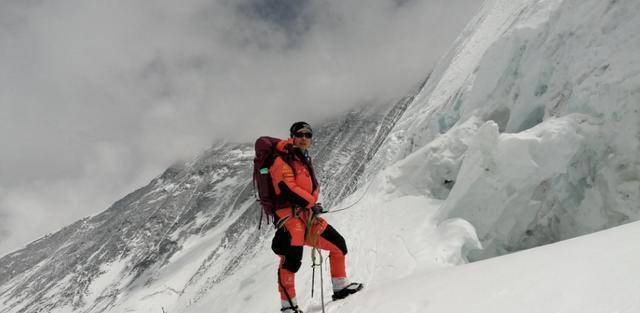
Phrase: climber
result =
(297, 189)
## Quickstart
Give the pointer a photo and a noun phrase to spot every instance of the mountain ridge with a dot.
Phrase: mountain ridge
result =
(147, 226)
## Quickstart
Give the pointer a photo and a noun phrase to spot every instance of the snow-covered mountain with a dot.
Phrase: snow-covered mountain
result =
(92, 263)
(527, 133)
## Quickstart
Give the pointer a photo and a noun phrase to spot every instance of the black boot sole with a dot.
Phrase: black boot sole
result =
(345, 292)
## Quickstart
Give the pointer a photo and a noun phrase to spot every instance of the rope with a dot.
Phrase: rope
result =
(356, 202)
(321, 281)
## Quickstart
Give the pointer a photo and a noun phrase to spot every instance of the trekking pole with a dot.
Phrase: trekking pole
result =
(313, 273)
(313, 255)
(321, 281)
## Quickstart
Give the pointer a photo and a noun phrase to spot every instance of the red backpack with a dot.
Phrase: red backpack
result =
(266, 153)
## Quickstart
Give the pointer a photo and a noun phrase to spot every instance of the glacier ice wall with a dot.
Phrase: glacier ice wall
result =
(530, 127)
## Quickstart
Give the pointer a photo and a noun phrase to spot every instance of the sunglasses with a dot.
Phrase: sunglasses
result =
(300, 135)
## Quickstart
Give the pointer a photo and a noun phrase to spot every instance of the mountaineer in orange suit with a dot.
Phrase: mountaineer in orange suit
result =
(297, 191)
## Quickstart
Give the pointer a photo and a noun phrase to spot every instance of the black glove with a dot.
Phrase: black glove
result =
(318, 209)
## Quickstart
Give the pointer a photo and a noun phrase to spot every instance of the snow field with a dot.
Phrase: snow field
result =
(591, 274)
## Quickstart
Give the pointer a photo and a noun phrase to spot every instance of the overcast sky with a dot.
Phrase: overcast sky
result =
(98, 97)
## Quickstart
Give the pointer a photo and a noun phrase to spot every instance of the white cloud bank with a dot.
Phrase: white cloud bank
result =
(97, 97)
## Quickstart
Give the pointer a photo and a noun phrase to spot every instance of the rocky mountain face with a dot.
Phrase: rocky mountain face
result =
(212, 195)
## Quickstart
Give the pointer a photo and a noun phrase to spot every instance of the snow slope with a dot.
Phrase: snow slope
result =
(410, 264)
(591, 274)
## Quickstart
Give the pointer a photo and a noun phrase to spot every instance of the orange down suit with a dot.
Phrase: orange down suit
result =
(296, 188)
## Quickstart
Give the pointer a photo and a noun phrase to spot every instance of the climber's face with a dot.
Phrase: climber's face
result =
(302, 139)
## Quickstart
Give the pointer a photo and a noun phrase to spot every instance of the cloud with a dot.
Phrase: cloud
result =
(97, 97)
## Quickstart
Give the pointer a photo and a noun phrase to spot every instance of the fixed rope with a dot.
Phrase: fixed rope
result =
(356, 202)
